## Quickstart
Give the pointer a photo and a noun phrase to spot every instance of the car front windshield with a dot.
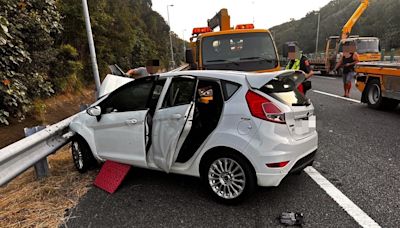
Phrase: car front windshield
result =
(243, 51)
(367, 46)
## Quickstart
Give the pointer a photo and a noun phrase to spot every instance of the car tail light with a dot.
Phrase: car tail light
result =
(263, 108)
(277, 164)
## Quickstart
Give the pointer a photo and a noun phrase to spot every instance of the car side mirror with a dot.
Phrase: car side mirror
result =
(94, 111)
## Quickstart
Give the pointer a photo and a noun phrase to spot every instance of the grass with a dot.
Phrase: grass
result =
(27, 202)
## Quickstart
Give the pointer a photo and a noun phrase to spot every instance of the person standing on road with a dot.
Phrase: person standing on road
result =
(347, 61)
(297, 61)
(152, 67)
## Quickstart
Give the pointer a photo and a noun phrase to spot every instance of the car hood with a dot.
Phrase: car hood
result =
(258, 80)
(111, 83)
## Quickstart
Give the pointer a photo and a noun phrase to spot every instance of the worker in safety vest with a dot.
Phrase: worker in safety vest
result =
(297, 61)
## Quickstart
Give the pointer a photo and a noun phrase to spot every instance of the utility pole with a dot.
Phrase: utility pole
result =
(316, 41)
(184, 42)
(170, 38)
(91, 47)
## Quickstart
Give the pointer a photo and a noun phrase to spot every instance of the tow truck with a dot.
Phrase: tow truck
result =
(242, 48)
(379, 83)
(367, 47)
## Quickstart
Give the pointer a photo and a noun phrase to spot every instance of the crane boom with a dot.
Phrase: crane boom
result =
(353, 19)
(221, 19)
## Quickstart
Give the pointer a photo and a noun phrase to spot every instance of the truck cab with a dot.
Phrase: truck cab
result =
(367, 48)
(242, 48)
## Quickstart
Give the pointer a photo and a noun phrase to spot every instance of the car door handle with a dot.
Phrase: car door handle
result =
(176, 116)
(131, 121)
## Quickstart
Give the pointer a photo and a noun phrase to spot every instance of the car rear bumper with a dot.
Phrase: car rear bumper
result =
(274, 179)
(298, 153)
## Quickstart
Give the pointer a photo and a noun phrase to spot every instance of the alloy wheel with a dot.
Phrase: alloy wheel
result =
(226, 178)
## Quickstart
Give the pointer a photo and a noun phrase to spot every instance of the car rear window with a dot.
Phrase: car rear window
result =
(285, 91)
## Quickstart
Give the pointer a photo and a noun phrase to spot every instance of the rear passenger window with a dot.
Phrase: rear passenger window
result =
(229, 88)
(180, 92)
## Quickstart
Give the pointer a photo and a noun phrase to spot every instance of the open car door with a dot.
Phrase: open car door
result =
(119, 133)
(173, 121)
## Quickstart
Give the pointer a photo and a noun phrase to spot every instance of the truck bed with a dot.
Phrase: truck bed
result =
(379, 68)
(380, 64)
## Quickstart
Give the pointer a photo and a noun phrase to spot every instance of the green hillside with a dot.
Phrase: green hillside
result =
(44, 48)
(381, 19)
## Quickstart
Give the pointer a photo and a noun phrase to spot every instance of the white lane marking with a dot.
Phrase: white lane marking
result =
(324, 77)
(334, 95)
(353, 210)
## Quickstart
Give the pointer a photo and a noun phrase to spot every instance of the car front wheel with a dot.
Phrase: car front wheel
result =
(82, 155)
(229, 178)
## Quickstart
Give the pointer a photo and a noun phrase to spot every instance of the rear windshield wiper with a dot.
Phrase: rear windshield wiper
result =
(222, 60)
(305, 103)
(259, 58)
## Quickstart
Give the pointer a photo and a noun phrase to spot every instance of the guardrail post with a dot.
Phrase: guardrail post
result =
(392, 55)
(42, 166)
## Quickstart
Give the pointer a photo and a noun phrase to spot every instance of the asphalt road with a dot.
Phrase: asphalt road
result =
(359, 152)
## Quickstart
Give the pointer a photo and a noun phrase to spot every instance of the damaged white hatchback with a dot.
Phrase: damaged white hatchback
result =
(235, 130)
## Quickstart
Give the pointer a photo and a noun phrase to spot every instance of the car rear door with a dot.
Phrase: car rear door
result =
(173, 121)
(119, 134)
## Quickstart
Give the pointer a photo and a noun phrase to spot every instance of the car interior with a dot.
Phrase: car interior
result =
(208, 109)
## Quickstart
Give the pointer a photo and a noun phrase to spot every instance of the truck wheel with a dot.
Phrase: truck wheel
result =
(82, 155)
(228, 177)
(374, 94)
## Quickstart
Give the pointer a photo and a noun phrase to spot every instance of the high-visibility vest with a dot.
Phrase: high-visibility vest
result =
(296, 65)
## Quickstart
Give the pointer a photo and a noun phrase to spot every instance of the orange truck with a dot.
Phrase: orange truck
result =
(379, 83)
(368, 48)
(242, 48)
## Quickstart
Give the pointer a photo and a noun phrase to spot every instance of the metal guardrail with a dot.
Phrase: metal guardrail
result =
(21, 155)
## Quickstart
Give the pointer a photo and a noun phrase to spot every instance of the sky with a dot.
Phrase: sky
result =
(187, 14)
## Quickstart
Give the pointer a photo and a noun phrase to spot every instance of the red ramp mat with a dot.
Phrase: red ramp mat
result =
(111, 176)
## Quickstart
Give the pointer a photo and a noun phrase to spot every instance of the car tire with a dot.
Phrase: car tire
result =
(82, 155)
(228, 177)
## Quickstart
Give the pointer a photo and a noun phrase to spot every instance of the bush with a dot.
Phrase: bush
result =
(66, 69)
(27, 33)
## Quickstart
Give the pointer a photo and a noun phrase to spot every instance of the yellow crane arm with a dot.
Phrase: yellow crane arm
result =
(221, 19)
(354, 18)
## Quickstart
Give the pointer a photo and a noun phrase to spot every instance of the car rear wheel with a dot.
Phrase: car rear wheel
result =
(229, 178)
(82, 155)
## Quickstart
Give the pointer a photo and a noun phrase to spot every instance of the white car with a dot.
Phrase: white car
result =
(235, 130)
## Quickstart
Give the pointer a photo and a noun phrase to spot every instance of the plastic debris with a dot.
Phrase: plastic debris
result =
(291, 219)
